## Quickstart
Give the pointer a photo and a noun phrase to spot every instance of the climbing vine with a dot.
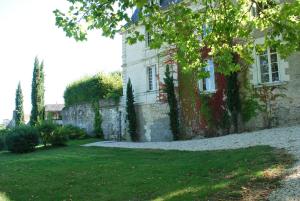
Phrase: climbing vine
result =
(233, 99)
(98, 121)
(93, 88)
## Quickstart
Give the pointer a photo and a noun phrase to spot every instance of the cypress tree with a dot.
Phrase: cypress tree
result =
(41, 94)
(172, 101)
(19, 111)
(131, 115)
(37, 93)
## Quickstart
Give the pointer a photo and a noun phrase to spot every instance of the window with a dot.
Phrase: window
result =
(258, 8)
(151, 73)
(208, 84)
(269, 66)
(148, 39)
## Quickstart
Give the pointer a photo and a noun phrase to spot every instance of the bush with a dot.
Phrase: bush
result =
(92, 89)
(46, 129)
(3, 134)
(74, 132)
(2, 144)
(59, 137)
(22, 139)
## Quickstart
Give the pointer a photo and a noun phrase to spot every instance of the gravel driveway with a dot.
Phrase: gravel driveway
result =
(287, 138)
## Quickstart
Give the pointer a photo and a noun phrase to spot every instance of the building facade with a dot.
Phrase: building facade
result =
(145, 68)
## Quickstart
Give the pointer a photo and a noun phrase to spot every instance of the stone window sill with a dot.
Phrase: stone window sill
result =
(208, 92)
(270, 84)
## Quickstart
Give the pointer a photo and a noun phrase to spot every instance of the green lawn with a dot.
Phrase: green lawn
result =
(87, 174)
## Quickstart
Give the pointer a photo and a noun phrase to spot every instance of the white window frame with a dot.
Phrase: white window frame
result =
(148, 39)
(255, 12)
(270, 72)
(151, 78)
(210, 82)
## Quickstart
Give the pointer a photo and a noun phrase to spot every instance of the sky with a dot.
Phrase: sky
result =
(27, 30)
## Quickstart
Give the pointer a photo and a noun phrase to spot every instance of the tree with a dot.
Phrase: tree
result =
(41, 93)
(37, 93)
(19, 110)
(131, 115)
(226, 28)
(172, 101)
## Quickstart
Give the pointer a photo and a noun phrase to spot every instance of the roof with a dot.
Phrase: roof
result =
(54, 107)
(163, 4)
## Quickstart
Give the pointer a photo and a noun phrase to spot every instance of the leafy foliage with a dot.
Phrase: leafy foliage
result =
(2, 143)
(172, 101)
(250, 108)
(22, 139)
(91, 89)
(98, 121)
(19, 110)
(3, 133)
(206, 111)
(46, 130)
(59, 137)
(37, 93)
(225, 27)
(74, 132)
(56, 135)
(233, 99)
(131, 115)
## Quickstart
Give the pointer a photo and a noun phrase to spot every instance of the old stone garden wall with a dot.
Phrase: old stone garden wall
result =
(83, 116)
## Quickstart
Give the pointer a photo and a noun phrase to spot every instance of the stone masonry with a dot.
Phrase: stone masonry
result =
(83, 116)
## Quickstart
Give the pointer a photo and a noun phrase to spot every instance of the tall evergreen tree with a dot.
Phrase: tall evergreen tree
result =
(37, 93)
(131, 115)
(19, 110)
(172, 101)
(41, 93)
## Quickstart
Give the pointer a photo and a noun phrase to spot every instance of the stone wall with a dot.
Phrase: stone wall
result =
(83, 116)
(153, 122)
(287, 109)
(111, 119)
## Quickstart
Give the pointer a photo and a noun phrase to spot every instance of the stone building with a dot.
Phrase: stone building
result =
(53, 112)
(145, 67)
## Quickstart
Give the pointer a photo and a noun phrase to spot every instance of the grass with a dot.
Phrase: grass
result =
(82, 173)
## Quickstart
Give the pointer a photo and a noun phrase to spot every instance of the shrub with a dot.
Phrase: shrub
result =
(3, 134)
(91, 89)
(46, 128)
(74, 132)
(22, 139)
(2, 144)
(59, 137)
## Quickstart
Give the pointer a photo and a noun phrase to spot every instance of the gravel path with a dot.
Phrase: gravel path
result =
(287, 138)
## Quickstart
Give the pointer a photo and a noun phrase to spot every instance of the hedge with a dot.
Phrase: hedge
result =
(22, 139)
(93, 88)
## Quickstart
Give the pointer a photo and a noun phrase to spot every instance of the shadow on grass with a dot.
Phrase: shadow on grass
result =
(81, 173)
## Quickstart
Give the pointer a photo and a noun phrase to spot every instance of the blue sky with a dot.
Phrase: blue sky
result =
(27, 29)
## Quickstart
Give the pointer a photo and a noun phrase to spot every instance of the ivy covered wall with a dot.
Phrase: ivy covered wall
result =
(93, 88)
